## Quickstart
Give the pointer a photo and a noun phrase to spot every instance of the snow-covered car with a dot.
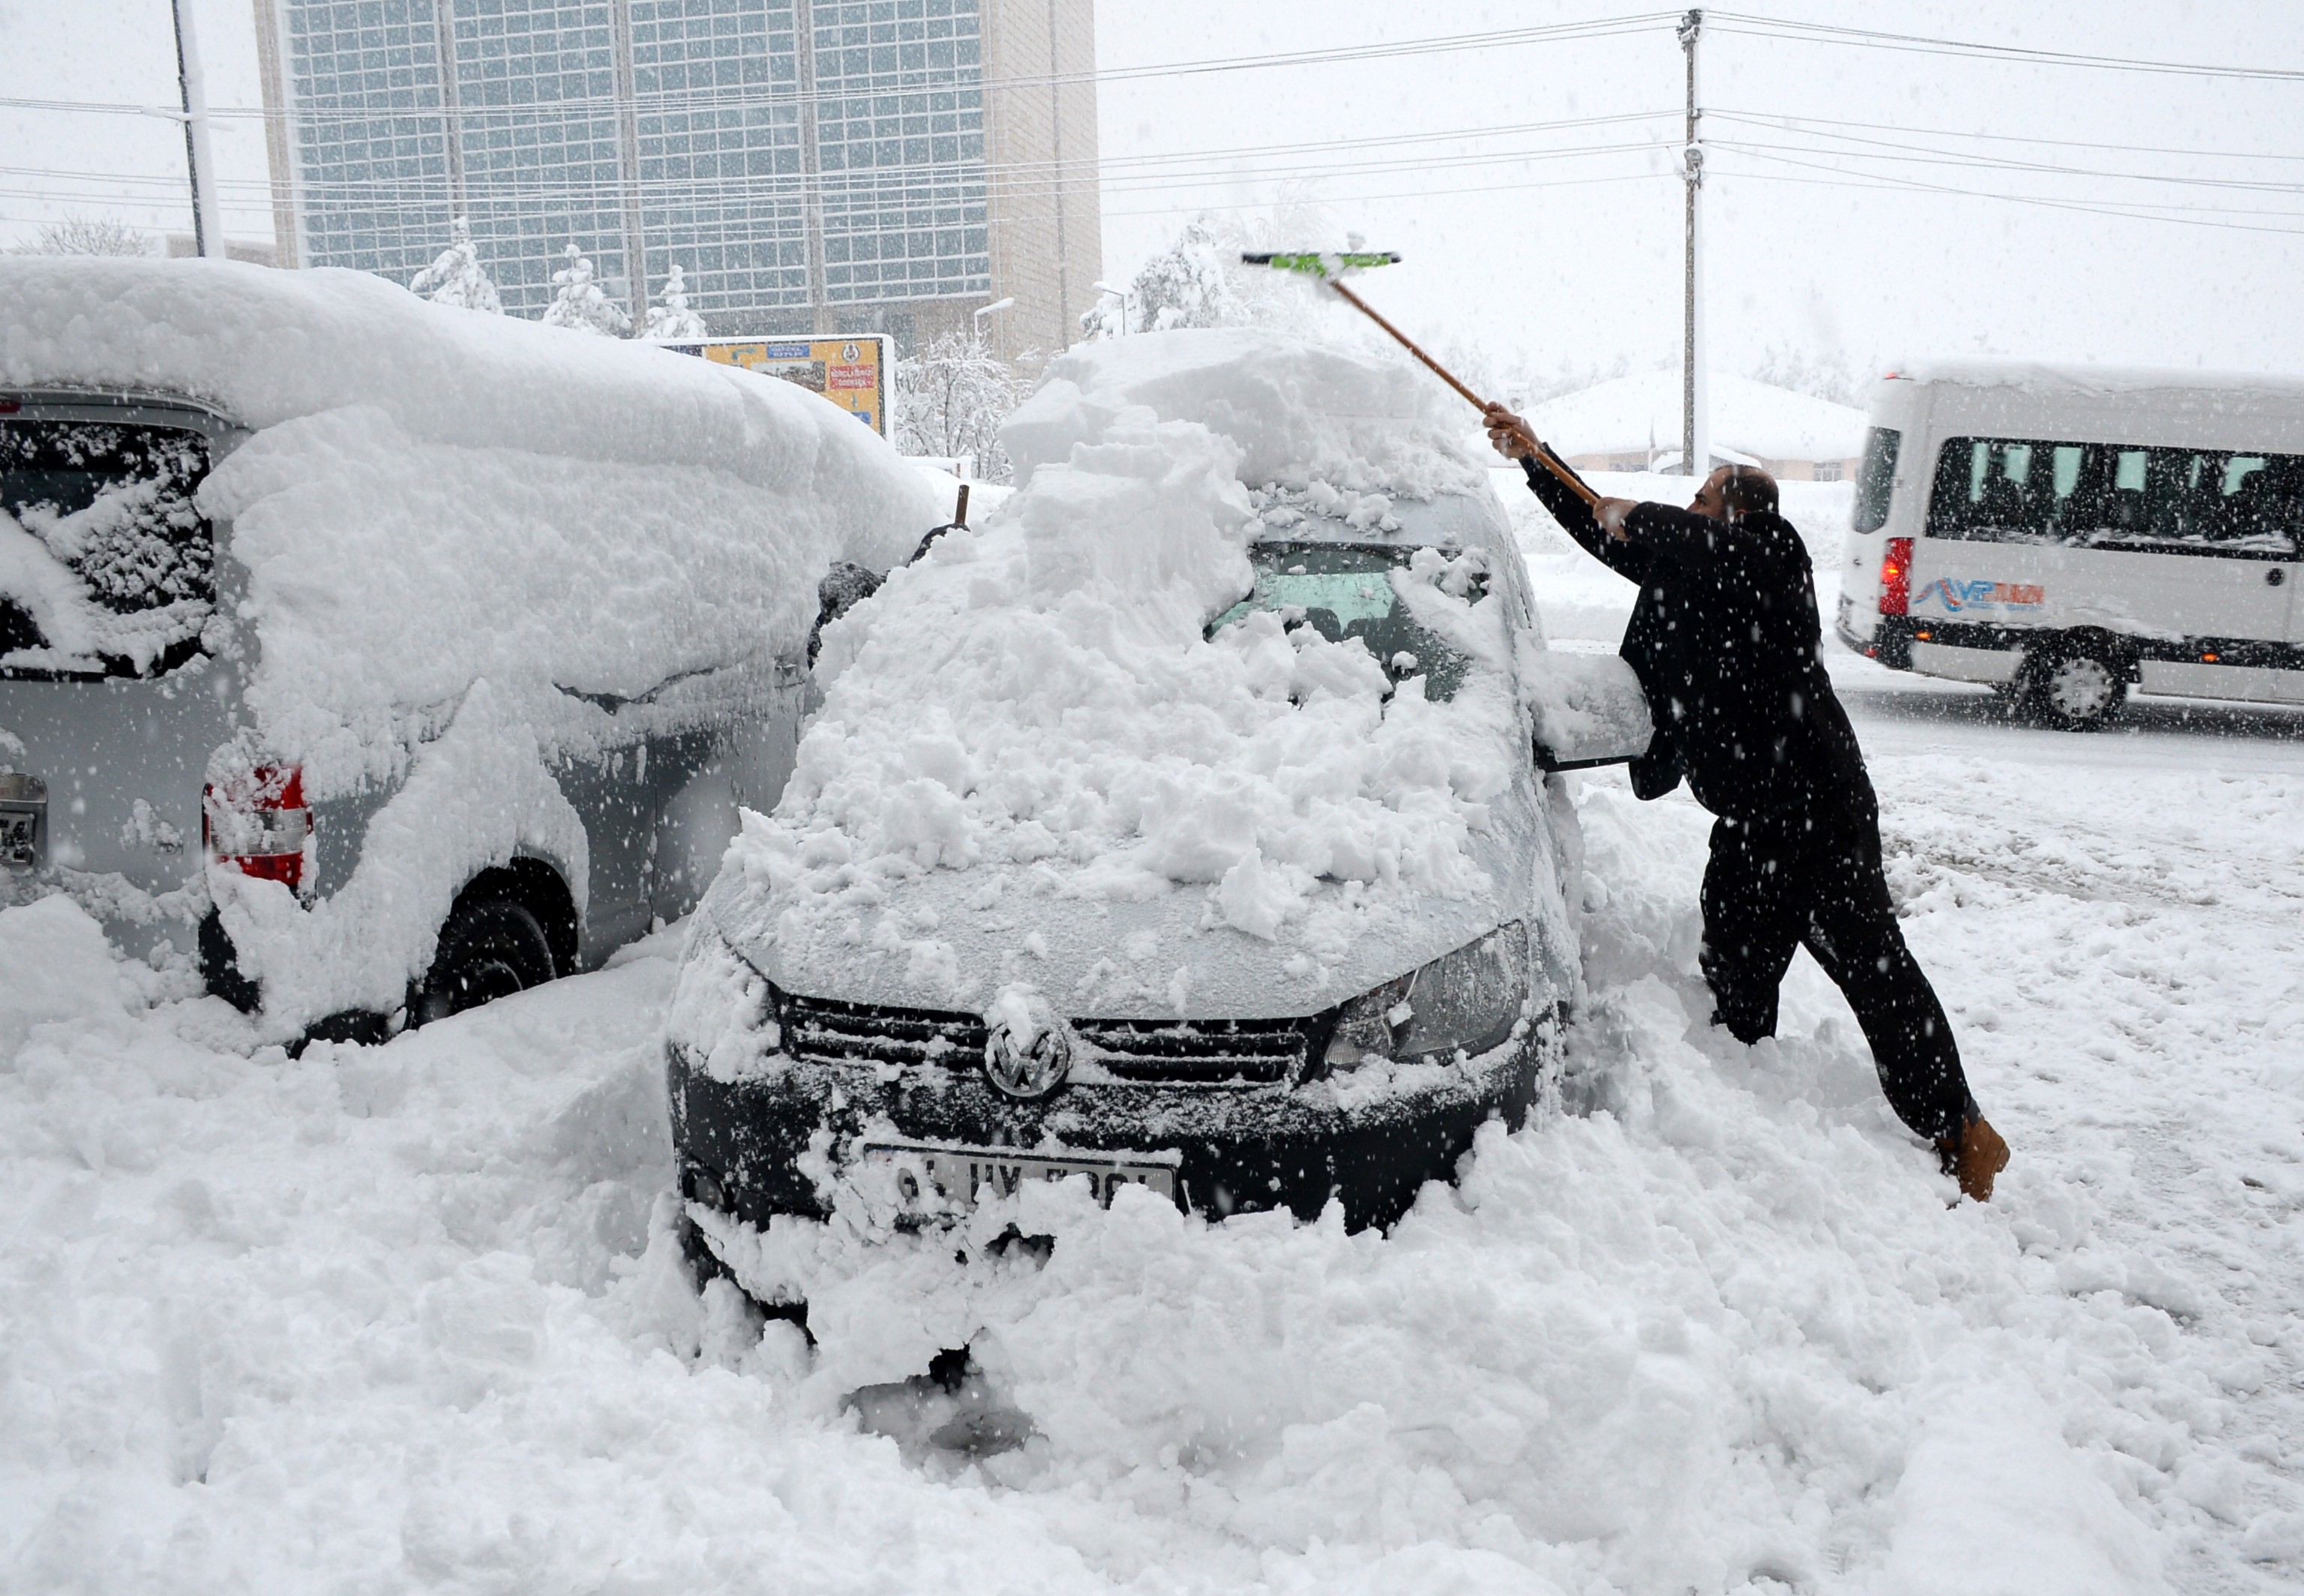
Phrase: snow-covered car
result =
(384, 657)
(1183, 828)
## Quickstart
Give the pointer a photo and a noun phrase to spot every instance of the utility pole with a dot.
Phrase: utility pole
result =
(208, 226)
(1695, 423)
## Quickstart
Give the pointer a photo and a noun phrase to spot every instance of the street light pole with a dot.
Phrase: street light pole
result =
(981, 311)
(208, 226)
(1121, 295)
(1696, 425)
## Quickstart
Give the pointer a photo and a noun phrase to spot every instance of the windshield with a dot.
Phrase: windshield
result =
(1345, 590)
(106, 567)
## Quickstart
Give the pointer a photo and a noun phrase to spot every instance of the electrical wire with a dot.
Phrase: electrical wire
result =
(1782, 121)
(586, 107)
(1888, 151)
(2207, 218)
(1763, 27)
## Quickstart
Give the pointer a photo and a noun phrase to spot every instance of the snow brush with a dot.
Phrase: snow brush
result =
(1332, 268)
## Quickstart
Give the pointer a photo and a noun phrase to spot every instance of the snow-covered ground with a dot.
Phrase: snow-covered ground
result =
(410, 1316)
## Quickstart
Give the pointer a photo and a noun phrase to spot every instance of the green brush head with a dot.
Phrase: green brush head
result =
(1325, 267)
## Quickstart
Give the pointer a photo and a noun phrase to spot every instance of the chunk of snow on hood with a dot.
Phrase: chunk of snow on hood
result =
(1037, 700)
(1298, 412)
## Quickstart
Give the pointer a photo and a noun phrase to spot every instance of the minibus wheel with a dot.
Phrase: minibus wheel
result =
(491, 948)
(2075, 687)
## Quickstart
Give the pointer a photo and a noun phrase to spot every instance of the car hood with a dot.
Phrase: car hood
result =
(954, 940)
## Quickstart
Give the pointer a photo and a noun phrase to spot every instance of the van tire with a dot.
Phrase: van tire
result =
(489, 948)
(2076, 686)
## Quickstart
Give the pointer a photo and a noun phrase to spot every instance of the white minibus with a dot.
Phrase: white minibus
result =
(2065, 532)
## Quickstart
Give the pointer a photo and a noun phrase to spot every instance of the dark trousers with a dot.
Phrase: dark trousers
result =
(1815, 881)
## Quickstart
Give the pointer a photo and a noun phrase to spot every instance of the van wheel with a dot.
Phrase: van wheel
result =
(491, 948)
(2075, 689)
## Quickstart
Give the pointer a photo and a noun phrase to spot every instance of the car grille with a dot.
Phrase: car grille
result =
(1203, 1052)
(820, 1031)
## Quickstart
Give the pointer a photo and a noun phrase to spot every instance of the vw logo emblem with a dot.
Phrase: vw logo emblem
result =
(1026, 1067)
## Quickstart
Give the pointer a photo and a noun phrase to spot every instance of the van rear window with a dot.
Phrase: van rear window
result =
(106, 567)
(2109, 495)
(1875, 480)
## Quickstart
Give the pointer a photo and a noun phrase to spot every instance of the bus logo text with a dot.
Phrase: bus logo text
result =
(1957, 596)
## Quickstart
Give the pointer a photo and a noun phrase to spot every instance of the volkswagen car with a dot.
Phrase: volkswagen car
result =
(807, 1069)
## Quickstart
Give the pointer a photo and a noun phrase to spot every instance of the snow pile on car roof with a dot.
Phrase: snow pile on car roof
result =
(434, 498)
(1300, 413)
(1040, 699)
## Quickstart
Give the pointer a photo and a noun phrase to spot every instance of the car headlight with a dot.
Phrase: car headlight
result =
(1466, 1000)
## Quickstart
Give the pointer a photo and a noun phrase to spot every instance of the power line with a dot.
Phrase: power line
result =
(1788, 123)
(1889, 180)
(1883, 149)
(585, 107)
(1729, 21)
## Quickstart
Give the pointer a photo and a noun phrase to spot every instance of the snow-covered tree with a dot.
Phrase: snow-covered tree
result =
(457, 276)
(1829, 377)
(580, 305)
(670, 317)
(952, 395)
(81, 235)
(1200, 281)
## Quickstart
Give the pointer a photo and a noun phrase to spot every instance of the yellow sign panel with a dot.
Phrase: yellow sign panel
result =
(852, 372)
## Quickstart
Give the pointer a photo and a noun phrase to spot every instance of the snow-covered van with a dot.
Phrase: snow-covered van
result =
(2063, 533)
(369, 658)
(1182, 827)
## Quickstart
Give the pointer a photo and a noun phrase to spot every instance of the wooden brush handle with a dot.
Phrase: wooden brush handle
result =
(1543, 455)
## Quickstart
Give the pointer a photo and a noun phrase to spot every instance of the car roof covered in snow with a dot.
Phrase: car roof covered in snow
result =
(263, 346)
(435, 498)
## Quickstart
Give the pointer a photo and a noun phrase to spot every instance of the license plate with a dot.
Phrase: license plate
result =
(966, 1174)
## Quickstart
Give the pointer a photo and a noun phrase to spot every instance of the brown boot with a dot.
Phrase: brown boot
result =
(1973, 1156)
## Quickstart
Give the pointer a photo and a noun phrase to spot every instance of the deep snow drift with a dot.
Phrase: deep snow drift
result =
(401, 1318)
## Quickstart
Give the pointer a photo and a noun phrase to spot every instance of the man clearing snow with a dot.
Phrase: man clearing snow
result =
(1724, 638)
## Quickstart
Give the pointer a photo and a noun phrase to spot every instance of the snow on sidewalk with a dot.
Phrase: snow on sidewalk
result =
(409, 1317)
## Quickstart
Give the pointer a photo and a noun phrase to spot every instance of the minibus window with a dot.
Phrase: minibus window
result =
(2192, 497)
(106, 565)
(2006, 490)
(1876, 479)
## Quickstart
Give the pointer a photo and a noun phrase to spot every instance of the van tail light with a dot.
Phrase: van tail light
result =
(257, 822)
(1896, 577)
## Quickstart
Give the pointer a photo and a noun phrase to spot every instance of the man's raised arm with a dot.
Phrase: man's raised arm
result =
(1514, 440)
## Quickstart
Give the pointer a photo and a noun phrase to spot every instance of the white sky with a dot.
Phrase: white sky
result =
(1498, 252)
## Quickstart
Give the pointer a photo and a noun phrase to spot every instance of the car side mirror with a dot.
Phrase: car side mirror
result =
(1588, 709)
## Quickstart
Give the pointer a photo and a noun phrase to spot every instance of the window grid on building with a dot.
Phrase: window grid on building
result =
(900, 136)
(536, 86)
(538, 161)
(721, 183)
(372, 145)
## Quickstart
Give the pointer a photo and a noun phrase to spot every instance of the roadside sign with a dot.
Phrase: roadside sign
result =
(852, 370)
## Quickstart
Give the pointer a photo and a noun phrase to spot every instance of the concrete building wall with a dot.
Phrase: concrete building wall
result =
(1047, 226)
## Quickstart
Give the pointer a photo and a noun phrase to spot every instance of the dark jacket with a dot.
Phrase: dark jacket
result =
(1724, 639)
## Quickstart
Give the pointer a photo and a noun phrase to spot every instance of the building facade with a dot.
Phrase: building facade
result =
(811, 166)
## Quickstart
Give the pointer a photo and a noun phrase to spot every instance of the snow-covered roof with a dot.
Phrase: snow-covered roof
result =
(2077, 379)
(436, 498)
(1628, 413)
(1300, 413)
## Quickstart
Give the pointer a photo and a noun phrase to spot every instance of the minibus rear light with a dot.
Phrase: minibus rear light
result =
(1896, 577)
(259, 824)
